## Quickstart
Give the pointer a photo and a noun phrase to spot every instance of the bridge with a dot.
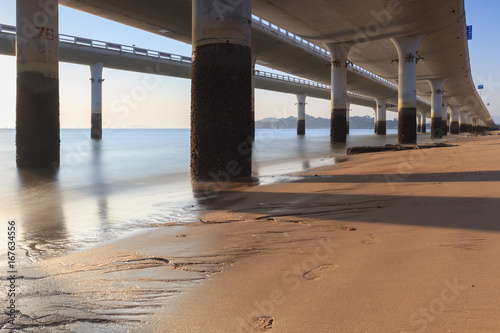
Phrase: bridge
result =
(93, 53)
(406, 47)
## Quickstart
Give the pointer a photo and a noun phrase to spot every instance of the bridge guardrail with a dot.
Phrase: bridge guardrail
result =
(68, 39)
(305, 82)
(313, 47)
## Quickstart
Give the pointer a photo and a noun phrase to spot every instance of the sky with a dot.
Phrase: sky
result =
(168, 105)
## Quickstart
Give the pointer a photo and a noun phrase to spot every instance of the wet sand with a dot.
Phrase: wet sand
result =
(384, 242)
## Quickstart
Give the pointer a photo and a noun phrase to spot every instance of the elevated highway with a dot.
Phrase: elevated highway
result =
(406, 49)
(85, 51)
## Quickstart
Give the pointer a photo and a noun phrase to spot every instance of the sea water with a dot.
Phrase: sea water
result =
(134, 179)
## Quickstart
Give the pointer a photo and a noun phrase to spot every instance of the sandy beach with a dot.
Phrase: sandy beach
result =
(402, 241)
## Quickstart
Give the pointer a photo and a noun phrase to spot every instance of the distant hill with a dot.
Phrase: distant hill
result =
(356, 122)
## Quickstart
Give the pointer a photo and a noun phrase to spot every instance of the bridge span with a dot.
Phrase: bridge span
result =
(408, 48)
(85, 51)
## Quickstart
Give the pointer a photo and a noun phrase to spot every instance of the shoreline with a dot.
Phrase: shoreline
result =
(149, 279)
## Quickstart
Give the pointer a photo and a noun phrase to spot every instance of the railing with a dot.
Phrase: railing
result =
(317, 49)
(175, 57)
(122, 48)
(67, 39)
(8, 29)
(292, 79)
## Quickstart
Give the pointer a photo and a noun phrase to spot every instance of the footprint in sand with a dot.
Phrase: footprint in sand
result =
(263, 323)
(314, 273)
(371, 239)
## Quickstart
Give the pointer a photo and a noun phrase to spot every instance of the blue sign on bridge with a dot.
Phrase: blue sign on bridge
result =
(469, 32)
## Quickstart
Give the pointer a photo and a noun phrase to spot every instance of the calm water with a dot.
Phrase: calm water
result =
(133, 179)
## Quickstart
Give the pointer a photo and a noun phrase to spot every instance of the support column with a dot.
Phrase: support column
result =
(463, 122)
(221, 92)
(375, 119)
(444, 114)
(469, 123)
(301, 115)
(96, 119)
(474, 125)
(254, 61)
(423, 120)
(436, 107)
(407, 48)
(455, 120)
(338, 55)
(419, 123)
(37, 108)
(381, 116)
(347, 116)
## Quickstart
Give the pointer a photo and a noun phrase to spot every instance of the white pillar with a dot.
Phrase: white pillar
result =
(423, 120)
(463, 121)
(436, 107)
(455, 120)
(444, 115)
(338, 56)
(407, 48)
(381, 116)
(254, 61)
(301, 114)
(96, 116)
(347, 116)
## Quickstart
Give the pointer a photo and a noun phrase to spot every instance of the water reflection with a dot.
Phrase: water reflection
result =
(100, 186)
(43, 220)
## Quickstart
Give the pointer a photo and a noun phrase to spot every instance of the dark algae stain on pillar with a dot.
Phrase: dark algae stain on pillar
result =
(96, 126)
(301, 127)
(221, 112)
(407, 125)
(338, 125)
(37, 122)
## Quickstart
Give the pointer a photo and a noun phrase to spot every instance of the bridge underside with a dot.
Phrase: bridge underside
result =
(408, 43)
(444, 46)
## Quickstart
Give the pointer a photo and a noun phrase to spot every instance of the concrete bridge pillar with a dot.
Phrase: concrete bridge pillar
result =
(96, 82)
(381, 116)
(221, 91)
(347, 116)
(419, 123)
(436, 107)
(375, 119)
(444, 115)
(37, 106)
(455, 120)
(469, 123)
(254, 61)
(301, 115)
(407, 48)
(338, 55)
(463, 122)
(423, 120)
